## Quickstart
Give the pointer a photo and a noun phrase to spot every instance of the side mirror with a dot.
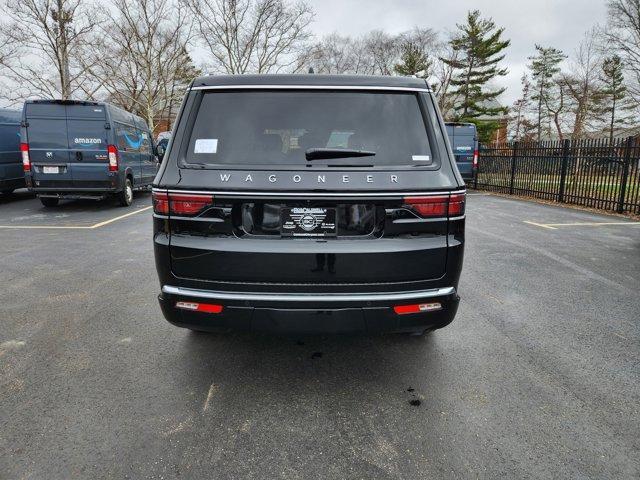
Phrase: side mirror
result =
(160, 152)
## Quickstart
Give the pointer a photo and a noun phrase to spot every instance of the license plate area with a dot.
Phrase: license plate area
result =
(51, 170)
(308, 222)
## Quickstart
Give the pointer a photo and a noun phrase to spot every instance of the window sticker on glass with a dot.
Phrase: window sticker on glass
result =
(421, 158)
(206, 145)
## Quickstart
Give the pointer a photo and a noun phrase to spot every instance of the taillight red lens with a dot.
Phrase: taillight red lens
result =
(160, 203)
(437, 205)
(180, 204)
(456, 204)
(26, 161)
(112, 152)
(475, 159)
(199, 307)
(417, 308)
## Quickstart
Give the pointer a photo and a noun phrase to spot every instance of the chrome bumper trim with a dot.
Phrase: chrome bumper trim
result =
(310, 297)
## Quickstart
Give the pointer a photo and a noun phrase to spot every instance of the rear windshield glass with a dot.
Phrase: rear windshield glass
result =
(263, 128)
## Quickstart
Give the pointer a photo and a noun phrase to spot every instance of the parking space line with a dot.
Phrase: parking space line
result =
(590, 224)
(541, 225)
(107, 222)
(74, 227)
(554, 226)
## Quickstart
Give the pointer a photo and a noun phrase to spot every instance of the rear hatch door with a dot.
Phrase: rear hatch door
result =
(248, 206)
(48, 145)
(87, 140)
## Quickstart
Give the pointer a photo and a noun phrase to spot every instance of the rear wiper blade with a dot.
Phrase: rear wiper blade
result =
(323, 153)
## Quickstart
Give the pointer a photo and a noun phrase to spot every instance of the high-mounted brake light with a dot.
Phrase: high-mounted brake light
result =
(475, 159)
(437, 205)
(26, 161)
(179, 204)
(199, 307)
(417, 308)
(112, 152)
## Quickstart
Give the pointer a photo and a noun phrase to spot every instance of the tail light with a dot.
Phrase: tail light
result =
(199, 307)
(437, 205)
(26, 161)
(184, 205)
(112, 152)
(475, 159)
(417, 308)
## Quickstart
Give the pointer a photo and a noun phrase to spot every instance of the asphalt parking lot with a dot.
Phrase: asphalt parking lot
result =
(538, 376)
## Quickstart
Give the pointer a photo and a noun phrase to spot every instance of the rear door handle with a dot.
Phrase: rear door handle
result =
(79, 156)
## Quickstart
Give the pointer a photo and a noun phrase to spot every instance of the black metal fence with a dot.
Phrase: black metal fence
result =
(595, 173)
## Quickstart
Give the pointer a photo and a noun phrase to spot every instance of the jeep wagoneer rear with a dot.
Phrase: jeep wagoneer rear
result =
(309, 204)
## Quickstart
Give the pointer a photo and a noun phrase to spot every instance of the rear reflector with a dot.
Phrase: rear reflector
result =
(417, 308)
(26, 161)
(180, 204)
(437, 205)
(199, 307)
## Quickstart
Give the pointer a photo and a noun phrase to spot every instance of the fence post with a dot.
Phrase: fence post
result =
(566, 145)
(513, 166)
(625, 173)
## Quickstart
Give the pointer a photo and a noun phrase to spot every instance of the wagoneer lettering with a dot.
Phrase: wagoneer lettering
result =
(330, 204)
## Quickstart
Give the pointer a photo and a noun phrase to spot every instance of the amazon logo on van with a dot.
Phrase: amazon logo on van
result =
(87, 142)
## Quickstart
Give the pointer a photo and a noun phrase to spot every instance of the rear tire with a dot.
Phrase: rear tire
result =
(125, 197)
(49, 201)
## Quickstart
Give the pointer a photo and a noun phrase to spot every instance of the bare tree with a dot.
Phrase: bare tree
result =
(519, 123)
(42, 44)
(622, 35)
(145, 42)
(443, 73)
(583, 84)
(555, 103)
(337, 54)
(251, 36)
(382, 50)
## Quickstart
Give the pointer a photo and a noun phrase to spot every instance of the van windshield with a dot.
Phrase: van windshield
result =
(266, 128)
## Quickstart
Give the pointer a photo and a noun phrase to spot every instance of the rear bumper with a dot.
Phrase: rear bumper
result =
(310, 313)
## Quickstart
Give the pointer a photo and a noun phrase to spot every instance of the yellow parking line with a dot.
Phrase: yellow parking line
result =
(541, 225)
(554, 226)
(590, 224)
(107, 222)
(74, 227)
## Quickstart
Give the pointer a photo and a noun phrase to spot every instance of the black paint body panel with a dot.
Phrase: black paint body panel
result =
(381, 246)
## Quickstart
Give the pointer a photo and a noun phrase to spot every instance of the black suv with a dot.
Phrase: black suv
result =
(309, 203)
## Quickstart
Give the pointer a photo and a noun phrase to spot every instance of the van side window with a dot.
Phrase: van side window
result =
(128, 138)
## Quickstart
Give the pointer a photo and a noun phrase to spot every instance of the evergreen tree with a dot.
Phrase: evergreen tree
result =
(544, 66)
(413, 61)
(479, 44)
(613, 95)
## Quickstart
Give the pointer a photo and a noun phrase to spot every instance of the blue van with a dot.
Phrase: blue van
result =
(463, 138)
(11, 176)
(76, 149)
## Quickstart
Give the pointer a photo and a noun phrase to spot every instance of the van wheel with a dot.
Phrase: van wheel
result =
(49, 201)
(125, 197)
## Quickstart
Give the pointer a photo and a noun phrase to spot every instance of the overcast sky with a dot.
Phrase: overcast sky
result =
(557, 23)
